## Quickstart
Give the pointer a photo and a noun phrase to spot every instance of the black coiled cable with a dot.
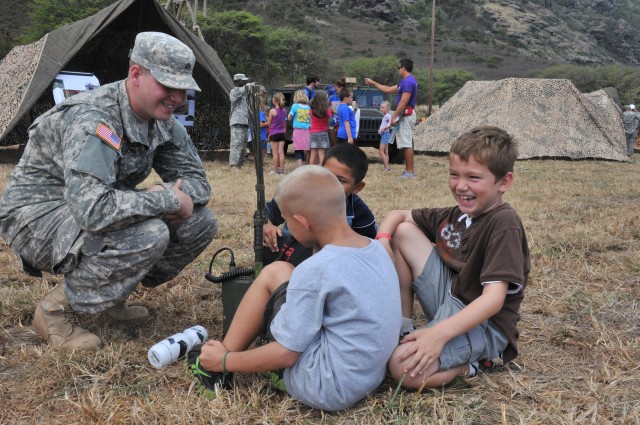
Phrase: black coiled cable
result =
(233, 271)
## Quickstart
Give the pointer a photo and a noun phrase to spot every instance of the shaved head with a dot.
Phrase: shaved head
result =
(312, 191)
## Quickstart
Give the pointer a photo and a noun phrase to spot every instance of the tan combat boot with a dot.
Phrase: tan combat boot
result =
(57, 324)
(124, 315)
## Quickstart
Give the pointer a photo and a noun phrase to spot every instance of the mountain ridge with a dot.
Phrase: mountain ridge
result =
(493, 39)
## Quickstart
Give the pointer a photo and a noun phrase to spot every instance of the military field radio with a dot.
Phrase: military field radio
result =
(237, 281)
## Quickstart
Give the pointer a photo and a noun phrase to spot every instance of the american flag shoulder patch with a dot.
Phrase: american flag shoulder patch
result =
(108, 136)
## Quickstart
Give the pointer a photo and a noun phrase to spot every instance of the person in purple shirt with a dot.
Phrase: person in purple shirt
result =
(404, 115)
(276, 122)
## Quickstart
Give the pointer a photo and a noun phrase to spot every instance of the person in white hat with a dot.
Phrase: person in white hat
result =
(631, 120)
(238, 121)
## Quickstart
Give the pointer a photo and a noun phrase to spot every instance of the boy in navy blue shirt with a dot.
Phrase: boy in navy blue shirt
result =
(349, 164)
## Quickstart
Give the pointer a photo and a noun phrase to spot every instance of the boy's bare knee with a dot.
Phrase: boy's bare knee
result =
(412, 245)
(395, 366)
(408, 237)
(405, 231)
(431, 378)
(275, 274)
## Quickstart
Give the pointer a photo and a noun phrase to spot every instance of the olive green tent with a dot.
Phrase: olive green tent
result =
(100, 45)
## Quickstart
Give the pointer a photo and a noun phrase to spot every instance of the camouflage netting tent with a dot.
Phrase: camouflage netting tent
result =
(548, 118)
(100, 44)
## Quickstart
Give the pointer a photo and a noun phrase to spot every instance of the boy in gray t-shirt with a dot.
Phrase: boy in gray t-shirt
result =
(341, 319)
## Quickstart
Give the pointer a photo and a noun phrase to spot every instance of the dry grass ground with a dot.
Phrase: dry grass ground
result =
(580, 337)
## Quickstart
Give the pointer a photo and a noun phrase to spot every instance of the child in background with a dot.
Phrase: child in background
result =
(277, 123)
(385, 135)
(263, 120)
(320, 118)
(468, 265)
(346, 118)
(349, 164)
(356, 114)
(334, 101)
(300, 114)
(333, 326)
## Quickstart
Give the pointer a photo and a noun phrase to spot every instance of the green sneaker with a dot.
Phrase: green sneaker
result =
(276, 380)
(209, 383)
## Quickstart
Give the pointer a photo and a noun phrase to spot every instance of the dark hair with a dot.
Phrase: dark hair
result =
(312, 79)
(407, 64)
(341, 83)
(351, 156)
(344, 93)
(319, 105)
(491, 146)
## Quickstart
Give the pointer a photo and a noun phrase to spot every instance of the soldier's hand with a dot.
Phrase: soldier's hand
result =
(155, 188)
(186, 205)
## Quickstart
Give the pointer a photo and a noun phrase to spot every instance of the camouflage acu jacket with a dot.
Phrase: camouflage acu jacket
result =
(239, 111)
(631, 121)
(89, 153)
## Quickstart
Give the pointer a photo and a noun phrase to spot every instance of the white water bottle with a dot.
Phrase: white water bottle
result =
(176, 346)
(268, 147)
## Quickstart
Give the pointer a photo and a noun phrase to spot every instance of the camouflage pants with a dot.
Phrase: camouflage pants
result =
(103, 268)
(238, 145)
(631, 142)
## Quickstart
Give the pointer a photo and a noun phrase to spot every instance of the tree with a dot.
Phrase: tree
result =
(446, 83)
(239, 38)
(383, 69)
(293, 54)
(48, 15)
(6, 43)
(583, 77)
(267, 54)
(625, 79)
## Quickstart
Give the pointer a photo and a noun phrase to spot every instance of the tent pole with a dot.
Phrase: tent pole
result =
(179, 11)
(194, 19)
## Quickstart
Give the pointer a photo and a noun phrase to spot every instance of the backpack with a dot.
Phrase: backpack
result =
(309, 92)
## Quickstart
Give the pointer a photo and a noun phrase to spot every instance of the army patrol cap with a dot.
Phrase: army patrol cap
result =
(170, 61)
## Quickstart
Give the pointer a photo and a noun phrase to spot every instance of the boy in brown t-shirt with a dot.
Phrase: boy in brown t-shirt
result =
(468, 266)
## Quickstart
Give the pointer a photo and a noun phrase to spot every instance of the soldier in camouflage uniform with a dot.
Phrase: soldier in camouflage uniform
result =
(239, 121)
(631, 119)
(72, 205)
